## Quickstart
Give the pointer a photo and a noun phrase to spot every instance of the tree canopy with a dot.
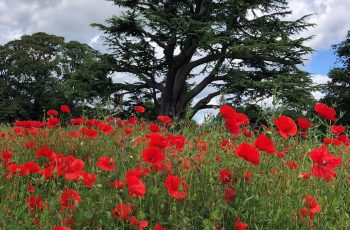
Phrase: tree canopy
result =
(337, 90)
(177, 50)
(41, 71)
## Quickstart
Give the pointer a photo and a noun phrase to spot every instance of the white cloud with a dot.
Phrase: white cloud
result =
(67, 18)
(331, 18)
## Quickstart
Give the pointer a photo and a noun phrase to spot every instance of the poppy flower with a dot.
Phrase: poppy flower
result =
(158, 140)
(135, 186)
(312, 205)
(88, 179)
(33, 167)
(69, 199)
(154, 128)
(89, 132)
(248, 153)
(106, 164)
(229, 195)
(61, 228)
(52, 112)
(34, 204)
(240, 225)
(106, 128)
(325, 163)
(142, 224)
(265, 144)
(139, 109)
(176, 186)
(65, 108)
(153, 155)
(233, 126)
(158, 227)
(74, 169)
(122, 211)
(164, 119)
(325, 111)
(53, 122)
(286, 126)
(225, 175)
(227, 112)
(304, 123)
(337, 129)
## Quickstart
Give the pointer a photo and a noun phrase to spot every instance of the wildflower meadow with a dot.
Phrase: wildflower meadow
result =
(109, 173)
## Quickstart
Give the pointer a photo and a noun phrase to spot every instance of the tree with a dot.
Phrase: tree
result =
(40, 72)
(177, 50)
(337, 90)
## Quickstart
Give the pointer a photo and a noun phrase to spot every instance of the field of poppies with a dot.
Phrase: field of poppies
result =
(77, 173)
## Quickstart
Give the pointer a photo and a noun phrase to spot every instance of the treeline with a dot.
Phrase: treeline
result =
(39, 72)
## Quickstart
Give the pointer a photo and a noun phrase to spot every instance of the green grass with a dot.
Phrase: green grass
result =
(270, 200)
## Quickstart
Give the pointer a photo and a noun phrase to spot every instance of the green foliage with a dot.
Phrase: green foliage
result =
(241, 48)
(41, 71)
(338, 89)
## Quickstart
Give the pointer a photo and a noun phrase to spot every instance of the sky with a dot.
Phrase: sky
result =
(72, 18)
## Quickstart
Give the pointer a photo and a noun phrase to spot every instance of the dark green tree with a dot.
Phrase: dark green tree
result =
(176, 50)
(41, 71)
(337, 89)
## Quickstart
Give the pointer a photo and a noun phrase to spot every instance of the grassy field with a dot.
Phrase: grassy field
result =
(133, 174)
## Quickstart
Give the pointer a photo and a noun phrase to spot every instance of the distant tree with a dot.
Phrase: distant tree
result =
(41, 71)
(177, 49)
(337, 90)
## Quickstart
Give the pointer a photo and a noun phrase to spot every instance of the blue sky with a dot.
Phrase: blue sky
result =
(321, 62)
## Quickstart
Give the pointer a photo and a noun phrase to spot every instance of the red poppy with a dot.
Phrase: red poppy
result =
(265, 144)
(325, 111)
(248, 153)
(74, 169)
(135, 186)
(325, 163)
(139, 109)
(122, 211)
(233, 126)
(142, 224)
(69, 199)
(52, 112)
(33, 167)
(240, 225)
(229, 195)
(88, 179)
(89, 132)
(65, 108)
(176, 186)
(154, 128)
(158, 140)
(61, 228)
(291, 165)
(106, 128)
(34, 204)
(53, 122)
(116, 184)
(337, 129)
(312, 204)
(286, 126)
(164, 119)
(153, 155)
(247, 175)
(225, 175)
(106, 164)
(227, 112)
(304, 123)
(158, 227)
(242, 119)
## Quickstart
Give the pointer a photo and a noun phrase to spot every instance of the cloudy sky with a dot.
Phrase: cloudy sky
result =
(72, 19)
